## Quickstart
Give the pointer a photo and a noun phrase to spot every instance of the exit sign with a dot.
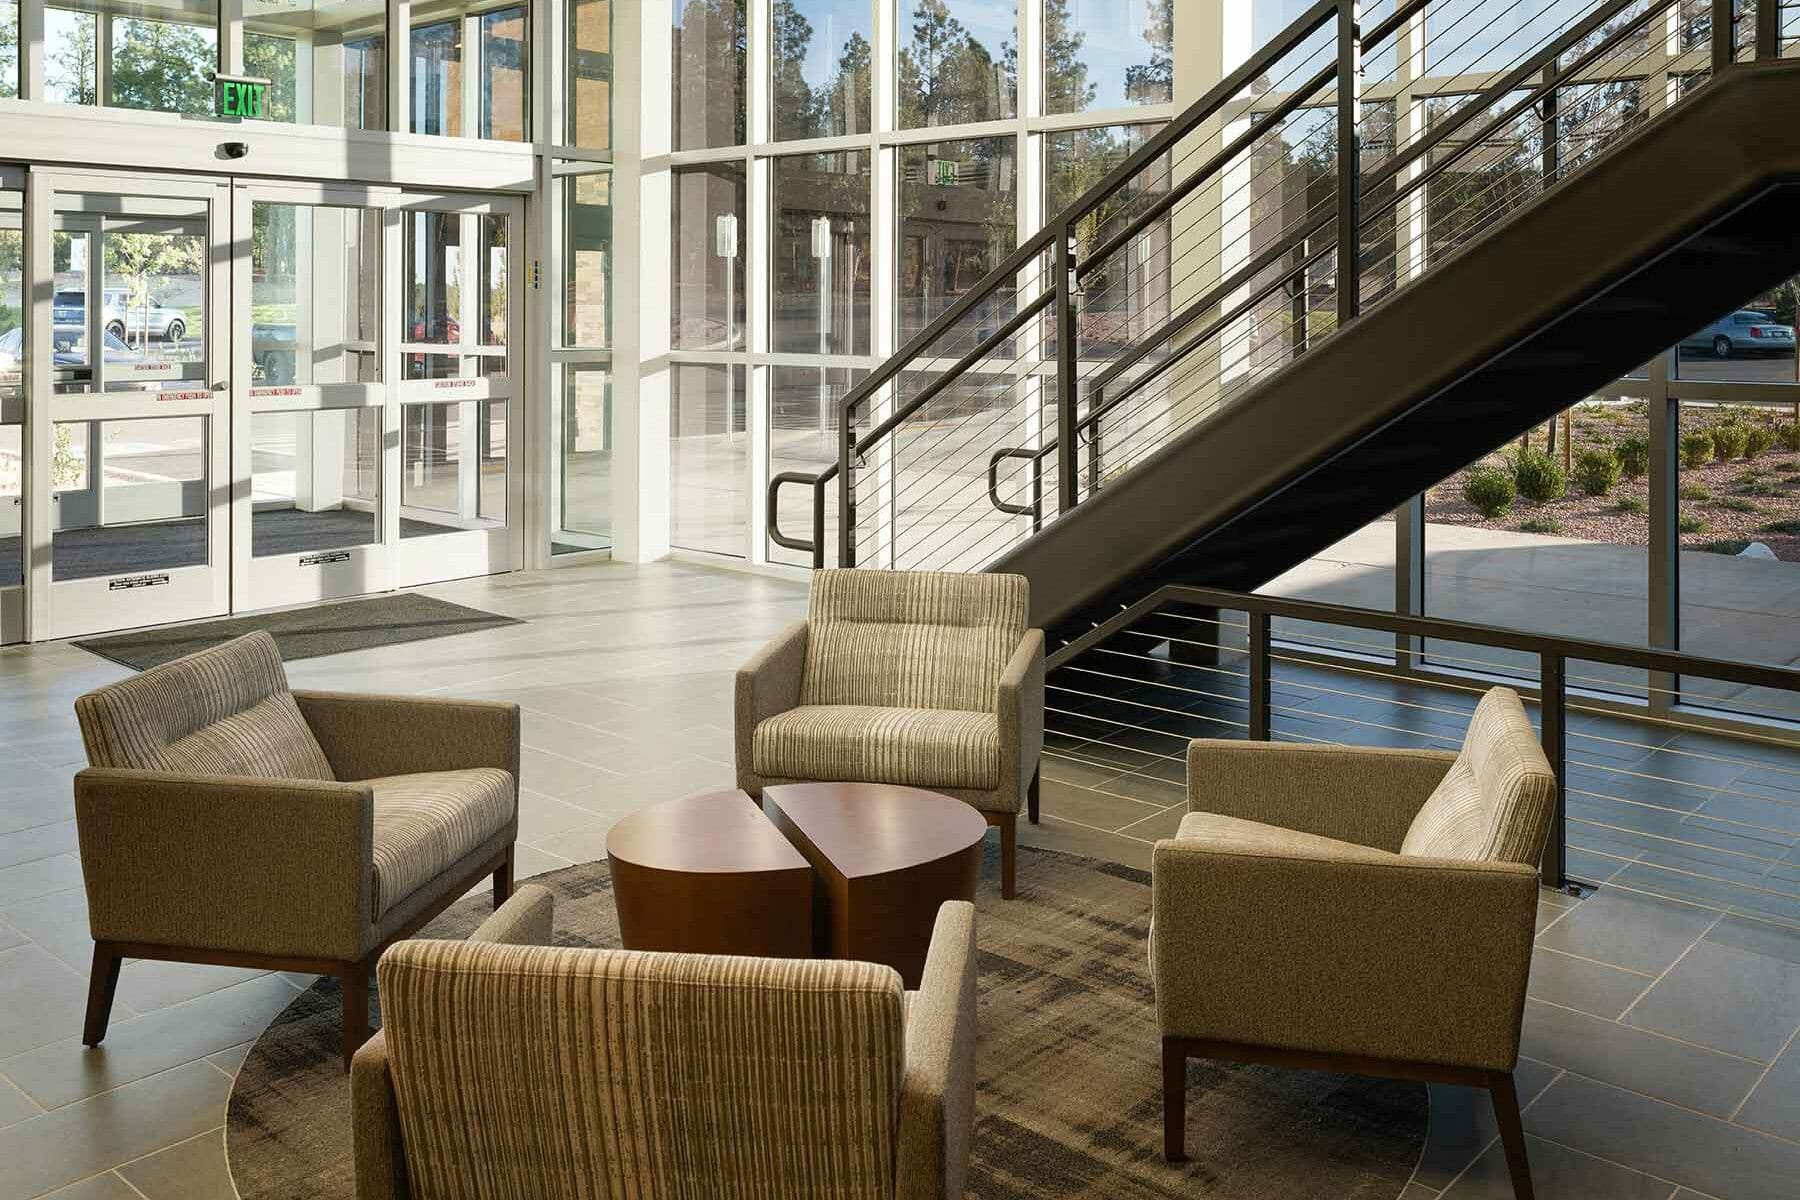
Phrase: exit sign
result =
(241, 96)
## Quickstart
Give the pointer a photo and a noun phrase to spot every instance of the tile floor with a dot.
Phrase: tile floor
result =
(1660, 1037)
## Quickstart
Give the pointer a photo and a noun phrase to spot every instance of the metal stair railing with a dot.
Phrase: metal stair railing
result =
(1045, 275)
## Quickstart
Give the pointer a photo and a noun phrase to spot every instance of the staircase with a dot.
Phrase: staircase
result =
(1176, 382)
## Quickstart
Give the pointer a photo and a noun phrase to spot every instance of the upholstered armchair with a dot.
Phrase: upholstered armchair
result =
(518, 1071)
(919, 678)
(1360, 910)
(226, 819)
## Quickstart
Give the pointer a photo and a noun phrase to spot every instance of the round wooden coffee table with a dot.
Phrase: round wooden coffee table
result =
(709, 874)
(883, 859)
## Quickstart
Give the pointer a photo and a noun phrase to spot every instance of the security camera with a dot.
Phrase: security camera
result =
(234, 149)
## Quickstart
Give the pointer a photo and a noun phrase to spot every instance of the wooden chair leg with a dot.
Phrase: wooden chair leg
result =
(1174, 1067)
(1009, 854)
(354, 980)
(1031, 796)
(503, 879)
(1512, 1133)
(103, 982)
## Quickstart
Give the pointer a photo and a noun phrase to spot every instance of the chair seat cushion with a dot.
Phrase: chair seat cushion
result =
(425, 823)
(919, 747)
(1233, 832)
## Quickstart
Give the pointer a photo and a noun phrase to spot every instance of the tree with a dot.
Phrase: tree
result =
(1066, 86)
(946, 76)
(273, 58)
(70, 68)
(9, 50)
(162, 66)
(1154, 82)
(709, 50)
(850, 87)
(141, 258)
(797, 110)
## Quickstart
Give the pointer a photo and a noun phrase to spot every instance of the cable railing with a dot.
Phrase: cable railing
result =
(1655, 795)
(1149, 302)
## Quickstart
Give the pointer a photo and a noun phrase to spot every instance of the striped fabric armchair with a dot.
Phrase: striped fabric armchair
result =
(1352, 909)
(507, 1069)
(925, 679)
(225, 819)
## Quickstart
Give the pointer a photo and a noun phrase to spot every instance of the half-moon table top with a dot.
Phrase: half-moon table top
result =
(714, 831)
(874, 828)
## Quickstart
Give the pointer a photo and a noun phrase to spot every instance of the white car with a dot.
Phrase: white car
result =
(120, 317)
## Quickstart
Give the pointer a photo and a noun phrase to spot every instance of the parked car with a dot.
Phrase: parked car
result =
(66, 348)
(1746, 332)
(121, 318)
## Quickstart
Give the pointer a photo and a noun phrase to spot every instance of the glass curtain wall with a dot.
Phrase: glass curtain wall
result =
(806, 251)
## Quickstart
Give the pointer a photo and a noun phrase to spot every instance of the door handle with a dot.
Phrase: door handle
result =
(220, 387)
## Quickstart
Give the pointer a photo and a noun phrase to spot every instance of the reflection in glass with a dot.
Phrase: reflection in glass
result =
(430, 459)
(144, 509)
(493, 282)
(706, 271)
(1108, 53)
(821, 68)
(344, 43)
(957, 221)
(709, 448)
(1129, 293)
(315, 291)
(9, 48)
(71, 55)
(505, 75)
(1501, 173)
(437, 65)
(586, 492)
(433, 275)
(587, 259)
(314, 480)
(153, 303)
(589, 74)
(821, 249)
(805, 407)
(490, 489)
(708, 46)
(12, 375)
(958, 61)
(163, 56)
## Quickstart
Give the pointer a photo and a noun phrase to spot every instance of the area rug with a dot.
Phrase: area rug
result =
(305, 632)
(1070, 1100)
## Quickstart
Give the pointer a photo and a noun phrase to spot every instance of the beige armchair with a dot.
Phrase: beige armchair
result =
(919, 678)
(226, 819)
(1358, 910)
(509, 1070)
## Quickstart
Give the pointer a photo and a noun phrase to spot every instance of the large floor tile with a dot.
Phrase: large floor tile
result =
(42, 841)
(41, 999)
(1774, 1107)
(15, 1105)
(1639, 933)
(39, 877)
(1557, 1173)
(136, 1047)
(107, 1186)
(1582, 983)
(1666, 1140)
(1726, 997)
(1684, 1074)
(1462, 1123)
(72, 1143)
(190, 1170)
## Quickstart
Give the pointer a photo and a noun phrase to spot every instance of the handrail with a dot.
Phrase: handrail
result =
(1034, 510)
(816, 547)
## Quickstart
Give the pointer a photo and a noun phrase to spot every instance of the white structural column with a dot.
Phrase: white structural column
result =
(641, 248)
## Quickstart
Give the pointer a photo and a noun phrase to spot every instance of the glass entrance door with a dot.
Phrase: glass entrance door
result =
(128, 344)
(460, 489)
(13, 349)
(313, 436)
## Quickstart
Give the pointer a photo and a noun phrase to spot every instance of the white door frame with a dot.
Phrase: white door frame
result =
(322, 572)
(72, 607)
(12, 415)
(471, 544)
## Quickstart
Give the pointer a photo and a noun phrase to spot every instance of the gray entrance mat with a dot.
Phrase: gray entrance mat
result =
(305, 632)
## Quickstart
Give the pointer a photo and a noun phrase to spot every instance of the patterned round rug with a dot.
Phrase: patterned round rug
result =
(1070, 1100)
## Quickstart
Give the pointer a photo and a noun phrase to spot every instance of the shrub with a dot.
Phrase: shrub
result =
(1729, 439)
(1538, 476)
(1540, 525)
(1490, 491)
(1739, 504)
(1597, 470)
(1696, 491)
(1761, 488)
(1759, 439)
(1789, 435)
(1633, 505)
(1789, 526)
(1696, 449)
(1634, 457)
(1731, 546)
(1691, 523)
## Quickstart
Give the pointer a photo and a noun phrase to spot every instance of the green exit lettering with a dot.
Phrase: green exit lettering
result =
(241, 98)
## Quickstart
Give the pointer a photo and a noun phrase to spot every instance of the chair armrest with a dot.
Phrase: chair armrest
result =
(1021, 710)
(375, 1126)
(262, 866)
(1363, 794)
(1364, 953)
(766, 685)
(368, 736)
(937, 1088)
(524, 920)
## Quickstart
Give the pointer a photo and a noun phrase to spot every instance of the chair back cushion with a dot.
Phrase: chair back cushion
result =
(523, 1072)
(911, 639)
(1496, 801)
(221, 711)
